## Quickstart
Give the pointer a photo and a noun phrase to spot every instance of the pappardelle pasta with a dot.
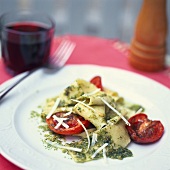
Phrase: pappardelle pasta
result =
(95, 117)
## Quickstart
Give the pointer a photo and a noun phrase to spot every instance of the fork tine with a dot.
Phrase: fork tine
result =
(59, 54)
(65, 54)
(60, 47)
(62, 53)
(65, 44)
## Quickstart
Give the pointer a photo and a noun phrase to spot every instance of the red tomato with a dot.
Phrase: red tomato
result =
(143, 130)
(74, 126)
(97, 81)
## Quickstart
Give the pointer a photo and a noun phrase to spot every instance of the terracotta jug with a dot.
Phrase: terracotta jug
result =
(148, 46)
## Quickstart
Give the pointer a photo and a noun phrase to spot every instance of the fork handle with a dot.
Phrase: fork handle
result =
(8, 89)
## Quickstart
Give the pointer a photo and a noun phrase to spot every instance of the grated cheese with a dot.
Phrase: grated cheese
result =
(94, 139)
(104, 155)
(68, 113)
(88, 138)
(53, 108)
(83, 104)
(91, 93)
(98, 150)
(64, 147)
(60, 122)
(116, 111)
(139, 111)
(59, 118)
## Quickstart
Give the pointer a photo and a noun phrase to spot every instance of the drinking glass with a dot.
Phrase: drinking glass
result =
(26, 38)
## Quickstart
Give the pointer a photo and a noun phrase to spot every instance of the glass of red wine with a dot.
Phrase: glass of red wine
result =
(26, 38)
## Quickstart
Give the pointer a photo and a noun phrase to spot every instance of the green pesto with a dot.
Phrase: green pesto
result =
(62, 103)
(101, 95)
(110, 114)
(53, 138)
(44, 128)
(119, 153)
(79, 109)
(51, 99)
(136, 107)
(43, 117)
(50, 136)
(34, 114)
(84, 156)
(68, 90)
(111, 152)
(93, 116)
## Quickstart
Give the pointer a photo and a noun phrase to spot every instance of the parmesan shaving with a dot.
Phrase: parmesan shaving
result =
(94, 139)
(91, 93)
(68, 113)
(98, 150)
(116, 111)
(139, 111)
(53, 108)
(59, 118)
(64, 147)
(104, 155)
(60, 122)
(83, 104)
(88, 138)
(65, 125)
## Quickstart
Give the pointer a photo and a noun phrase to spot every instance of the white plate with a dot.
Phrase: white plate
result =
(20, 140)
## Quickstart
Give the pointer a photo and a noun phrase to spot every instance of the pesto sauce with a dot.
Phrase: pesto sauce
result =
(136, 107)
(111, 152)
(84, 156)
(34, 114)
(119, 153)
(48, 135)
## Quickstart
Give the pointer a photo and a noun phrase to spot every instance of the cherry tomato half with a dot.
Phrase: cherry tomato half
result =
(74, 126)
(97, 81)
(143, 130)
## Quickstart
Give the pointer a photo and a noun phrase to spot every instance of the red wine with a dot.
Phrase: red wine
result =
(26, 46)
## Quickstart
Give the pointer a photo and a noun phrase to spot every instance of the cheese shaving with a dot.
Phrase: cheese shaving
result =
(64, 147)
(59, 118)
(139, 111)
(88, 138)
(104, 155)
(91, 93)
(98, 150)
(94, 139)
(53, 108)
(68, 113)
(65, 125)
(60, 122)
(83, 104)
(116, 111)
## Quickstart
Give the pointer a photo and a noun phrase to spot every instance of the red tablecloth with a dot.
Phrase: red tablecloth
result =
(93, 50)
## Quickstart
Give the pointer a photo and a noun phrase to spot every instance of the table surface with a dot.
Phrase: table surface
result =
(98, 51)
